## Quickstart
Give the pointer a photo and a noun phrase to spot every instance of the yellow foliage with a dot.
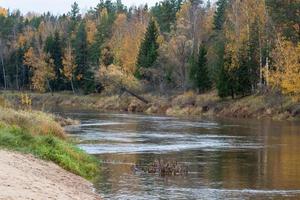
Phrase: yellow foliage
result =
(125, 41)
(286, 74)
(240, 16)
(22, 40)
(42, 68)
(113, 78)
(3, 11)
(183, 19)
(69, 64)
(25, 101)
(91, 28)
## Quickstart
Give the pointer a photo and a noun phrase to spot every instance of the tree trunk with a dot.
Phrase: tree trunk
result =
(72, 85)
(4, 73)
(135, 95)
(48, 84)
(17, 77)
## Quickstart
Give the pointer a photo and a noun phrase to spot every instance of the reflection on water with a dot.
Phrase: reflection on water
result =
(226, 159)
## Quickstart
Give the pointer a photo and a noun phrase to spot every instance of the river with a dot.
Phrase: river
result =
(227, 159)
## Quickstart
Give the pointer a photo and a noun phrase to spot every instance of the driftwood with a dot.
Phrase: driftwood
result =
(134, 95)
(124, 89)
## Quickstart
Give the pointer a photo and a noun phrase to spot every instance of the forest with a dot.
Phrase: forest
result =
(236, 47)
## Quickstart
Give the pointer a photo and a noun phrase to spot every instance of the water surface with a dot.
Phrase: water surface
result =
(227, 159)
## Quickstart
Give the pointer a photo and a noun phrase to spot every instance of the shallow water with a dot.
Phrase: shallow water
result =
(227, 159)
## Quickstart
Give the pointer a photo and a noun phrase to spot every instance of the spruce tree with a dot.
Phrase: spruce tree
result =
(223, 84)
(83, 74)
(54, 48)
(199, 72)
(148, 52)
(243, 77)
(224, 77)
(219, 16)
(165, 13)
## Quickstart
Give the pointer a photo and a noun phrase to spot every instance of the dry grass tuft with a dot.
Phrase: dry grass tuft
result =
(35, 122)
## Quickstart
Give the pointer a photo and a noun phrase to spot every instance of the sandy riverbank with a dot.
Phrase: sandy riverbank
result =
(25, 177)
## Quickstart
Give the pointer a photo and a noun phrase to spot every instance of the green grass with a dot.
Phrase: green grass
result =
(49, 147)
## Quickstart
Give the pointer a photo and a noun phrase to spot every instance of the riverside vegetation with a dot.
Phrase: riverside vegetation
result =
(39, 134)
(272, 105)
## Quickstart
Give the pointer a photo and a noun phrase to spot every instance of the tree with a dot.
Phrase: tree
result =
(83, 73)
(286, 73)
(223, 83)
(74, 11)
(53, 47)
(149, 48)
(69, 66)
(125, 41)
(199, 72)
(285, 17)
(165, 13)
(42, 67)
(219, 17)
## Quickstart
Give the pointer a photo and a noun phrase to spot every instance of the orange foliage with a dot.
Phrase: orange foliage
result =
(3, 11)
(42, 70)
(126, 40)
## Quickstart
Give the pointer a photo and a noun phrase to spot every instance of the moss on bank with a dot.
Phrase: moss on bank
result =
(37, 133)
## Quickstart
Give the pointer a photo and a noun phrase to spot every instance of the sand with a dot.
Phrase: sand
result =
(25, 177)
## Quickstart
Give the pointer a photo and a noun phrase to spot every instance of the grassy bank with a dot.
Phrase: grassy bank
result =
(181, 104)
(39, 134)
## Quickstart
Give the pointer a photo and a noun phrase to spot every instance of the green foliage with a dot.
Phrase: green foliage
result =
(148, 52)
(74, 11)
(53, 46)
(50, 148)
(219, 17)
(199, 72)
(83, 74)
(285, 16)
(108, 11)
(243, 77)
(165, 13)
(224, 84)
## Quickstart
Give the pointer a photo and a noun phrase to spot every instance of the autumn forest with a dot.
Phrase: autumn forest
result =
(235, 47)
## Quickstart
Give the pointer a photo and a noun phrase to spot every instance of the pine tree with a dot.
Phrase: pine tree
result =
(148, 52)
(199, 72)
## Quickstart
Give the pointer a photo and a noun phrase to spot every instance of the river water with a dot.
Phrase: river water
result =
(227, 159)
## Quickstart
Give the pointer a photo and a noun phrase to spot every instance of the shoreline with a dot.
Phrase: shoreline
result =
(268, 106)
(25, 177)
(38, 161)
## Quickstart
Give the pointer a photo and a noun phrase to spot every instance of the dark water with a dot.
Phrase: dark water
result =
(239, 159)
